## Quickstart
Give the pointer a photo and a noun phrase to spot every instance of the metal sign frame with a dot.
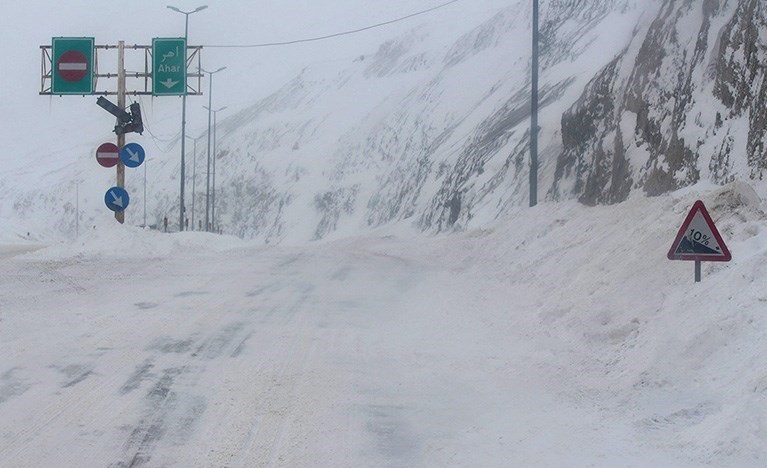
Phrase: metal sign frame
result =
(193, 80)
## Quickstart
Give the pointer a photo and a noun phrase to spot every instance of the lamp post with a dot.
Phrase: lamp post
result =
(146, 163)
(534, 113)
(207, 176)
(194, 174)
(183, 113)
(77, 207)
(213, 182)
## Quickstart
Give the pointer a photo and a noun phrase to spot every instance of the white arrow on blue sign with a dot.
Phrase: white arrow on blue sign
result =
(117, 199)
(132, 155)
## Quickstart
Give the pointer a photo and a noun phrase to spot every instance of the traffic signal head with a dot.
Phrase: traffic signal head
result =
(136, 122)
(126, 123)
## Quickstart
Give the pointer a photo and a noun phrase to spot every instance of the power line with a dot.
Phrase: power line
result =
(343, 33)
(169, 142)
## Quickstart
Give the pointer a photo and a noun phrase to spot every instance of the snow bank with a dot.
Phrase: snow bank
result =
(625, 331)
(109, 239)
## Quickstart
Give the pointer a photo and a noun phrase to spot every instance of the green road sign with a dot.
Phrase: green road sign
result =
(168, 66)
(72, 65)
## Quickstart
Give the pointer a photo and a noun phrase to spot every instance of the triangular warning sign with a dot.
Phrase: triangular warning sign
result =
(698, 238)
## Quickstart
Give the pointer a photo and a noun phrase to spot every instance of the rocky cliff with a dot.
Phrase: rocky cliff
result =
(683, 102)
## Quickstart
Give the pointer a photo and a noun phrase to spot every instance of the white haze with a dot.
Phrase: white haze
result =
(558, 336)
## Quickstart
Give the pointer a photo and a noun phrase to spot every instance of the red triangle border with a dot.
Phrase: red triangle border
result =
(672, 255)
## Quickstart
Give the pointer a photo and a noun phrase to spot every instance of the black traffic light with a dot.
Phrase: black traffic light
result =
(126, 123)
(136, 122)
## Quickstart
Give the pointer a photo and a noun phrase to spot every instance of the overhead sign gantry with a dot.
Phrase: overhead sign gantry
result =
(70, 66)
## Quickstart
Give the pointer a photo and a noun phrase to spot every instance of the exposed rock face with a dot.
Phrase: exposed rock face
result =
(696, 83)
(740, 77)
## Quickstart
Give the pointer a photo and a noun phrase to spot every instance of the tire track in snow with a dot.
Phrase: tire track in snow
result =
(171, 406)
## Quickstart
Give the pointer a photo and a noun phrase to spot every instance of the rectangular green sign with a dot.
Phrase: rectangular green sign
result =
(72, 65)
(168, 66)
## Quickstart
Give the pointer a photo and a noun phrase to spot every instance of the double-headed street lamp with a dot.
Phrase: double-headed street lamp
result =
(207, 177)
(183, 112)
(213, 183)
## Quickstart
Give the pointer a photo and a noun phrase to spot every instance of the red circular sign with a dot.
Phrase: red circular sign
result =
(108, 154)
(72, 66)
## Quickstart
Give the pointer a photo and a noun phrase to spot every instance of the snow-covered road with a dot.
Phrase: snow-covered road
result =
(525, 345)
(324, 356)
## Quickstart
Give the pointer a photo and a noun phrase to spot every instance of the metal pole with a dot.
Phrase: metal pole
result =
(145, 164)
(77, 208)
(120, 215)
(697, 271)
(183, 132)
(194, 178)
(213, 169)
(207, 172)
(534, 113)
(213, 177)
(183, 116)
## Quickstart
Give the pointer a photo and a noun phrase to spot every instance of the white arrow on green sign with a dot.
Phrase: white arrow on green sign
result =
(168, 66)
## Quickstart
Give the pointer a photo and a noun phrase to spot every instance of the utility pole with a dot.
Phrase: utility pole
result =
(534, 113)
(120, 215)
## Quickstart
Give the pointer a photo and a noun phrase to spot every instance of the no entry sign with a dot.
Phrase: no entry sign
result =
(108, 154)
(72, 65)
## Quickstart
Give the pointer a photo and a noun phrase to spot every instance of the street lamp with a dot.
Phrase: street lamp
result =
(77, 207)
(207, 177)
(183, 112)
(194, 174)
(534, 113)
(213, 183)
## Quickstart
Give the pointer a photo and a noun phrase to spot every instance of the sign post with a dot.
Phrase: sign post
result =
(699, 240)
(72, 65)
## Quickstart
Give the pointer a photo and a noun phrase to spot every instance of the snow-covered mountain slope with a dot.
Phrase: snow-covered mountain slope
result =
(431, 126)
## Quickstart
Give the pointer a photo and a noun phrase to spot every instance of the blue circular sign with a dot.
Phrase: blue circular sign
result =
(117, 199)
(132, 155)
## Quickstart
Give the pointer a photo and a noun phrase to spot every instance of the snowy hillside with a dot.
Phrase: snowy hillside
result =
(431, 128)
(425, 122)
